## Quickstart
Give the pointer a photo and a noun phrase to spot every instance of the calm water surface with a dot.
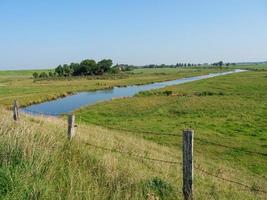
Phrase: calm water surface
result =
(76, 101)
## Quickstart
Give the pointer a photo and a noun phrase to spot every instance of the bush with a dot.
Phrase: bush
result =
(146, 93)
(113, 70)
(43, 75)
(167, 92)
(35, 75)
(209, 93)
(155, 92)
(51, 74)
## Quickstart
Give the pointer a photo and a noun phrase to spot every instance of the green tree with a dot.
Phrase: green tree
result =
(59, 70)
(75, 67)
(51, 74)
(88, 67)
(104, 65)
(220, 63)
(67, 71)
(43, 75)
(35, 75)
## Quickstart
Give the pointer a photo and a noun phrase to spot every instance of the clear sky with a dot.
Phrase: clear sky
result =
(46, 33)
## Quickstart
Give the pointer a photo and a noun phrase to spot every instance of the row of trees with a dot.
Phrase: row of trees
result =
(91, 67)
(43, 75)
(85, 68)
(220, 64)
(171, 66)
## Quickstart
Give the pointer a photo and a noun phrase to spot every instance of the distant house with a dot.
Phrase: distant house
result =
(123, 67)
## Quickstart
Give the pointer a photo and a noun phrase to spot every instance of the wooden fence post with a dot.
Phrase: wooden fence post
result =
(16, 110)
(188, 136)
(71, 130)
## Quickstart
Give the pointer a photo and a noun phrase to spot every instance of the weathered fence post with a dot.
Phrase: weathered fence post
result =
(71, 130)
(16, 110)
(188, 136)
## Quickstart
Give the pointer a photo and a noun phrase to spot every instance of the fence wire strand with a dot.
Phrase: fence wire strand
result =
(251, 188)
(133, 155)
(153, 133)
(198, 139)
(229, 147)
(145, 132)
(231, 181)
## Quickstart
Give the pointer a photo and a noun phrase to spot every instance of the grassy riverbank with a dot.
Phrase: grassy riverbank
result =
(131, 148)
(19, 84)
(224, 111)
(37, 162)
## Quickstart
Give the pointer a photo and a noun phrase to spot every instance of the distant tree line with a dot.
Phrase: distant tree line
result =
(171, 66)
(85, 68)
(220, 64)
(90, 67)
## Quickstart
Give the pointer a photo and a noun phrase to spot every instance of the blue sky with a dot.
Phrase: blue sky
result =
(43, 34)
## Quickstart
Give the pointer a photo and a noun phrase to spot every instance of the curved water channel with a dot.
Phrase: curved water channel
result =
(73, 102)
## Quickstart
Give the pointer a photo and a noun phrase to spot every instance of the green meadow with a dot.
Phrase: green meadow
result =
(21, 73)
(20, 84)
(228, 114)
(119, 145)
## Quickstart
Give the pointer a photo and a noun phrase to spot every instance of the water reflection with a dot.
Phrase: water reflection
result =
(73, 102)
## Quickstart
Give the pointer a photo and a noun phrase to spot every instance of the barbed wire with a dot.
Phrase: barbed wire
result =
(133, 155)
(150, 132)
(230, 147)
(251, 188)
(195, 138)
(231, 181)
(145, 132)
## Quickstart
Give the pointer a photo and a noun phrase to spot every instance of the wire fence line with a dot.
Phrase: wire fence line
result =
(251, 188)
(145, 132)
(152, 133)
(195, 138)
(80, 117)
(133, 155)
(230, 147)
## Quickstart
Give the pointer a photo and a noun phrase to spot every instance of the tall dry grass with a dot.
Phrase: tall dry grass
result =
(38, 162)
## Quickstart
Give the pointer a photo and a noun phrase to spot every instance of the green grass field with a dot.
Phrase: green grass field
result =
(23, 73)
(251, 67)
(38, 162)
(19, 84)
(228, 110)
(113, 153)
